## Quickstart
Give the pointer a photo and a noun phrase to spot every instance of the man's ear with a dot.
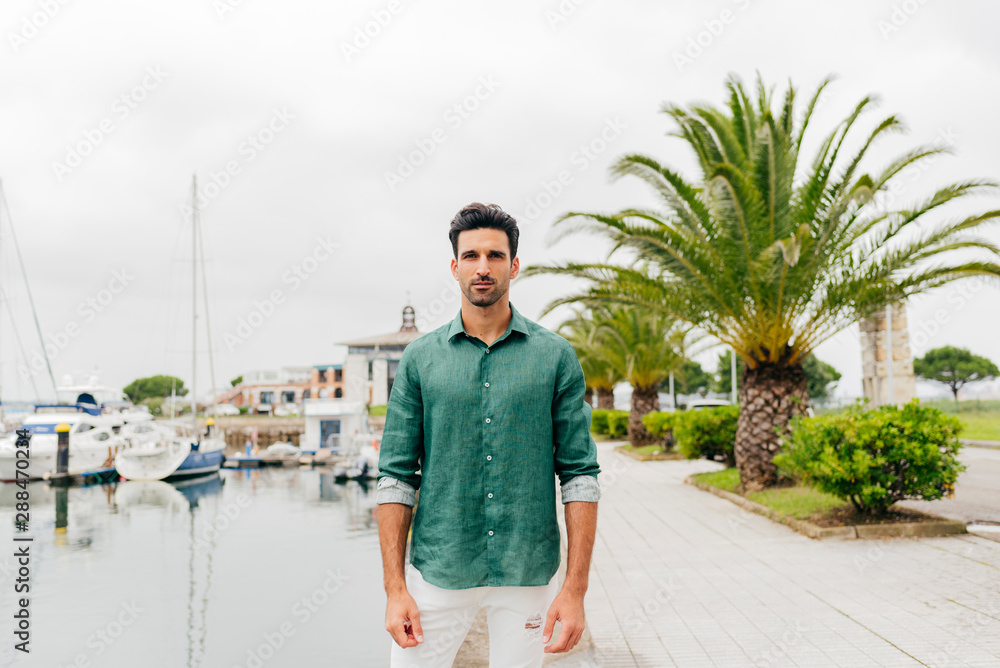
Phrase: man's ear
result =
(454, 268)
(515, 267)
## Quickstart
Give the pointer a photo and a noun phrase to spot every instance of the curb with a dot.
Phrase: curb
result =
(670, 456)
(980, 444)
(942, 527)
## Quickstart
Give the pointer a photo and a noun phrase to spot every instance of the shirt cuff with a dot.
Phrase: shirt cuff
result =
(394, 490)
(581, 488)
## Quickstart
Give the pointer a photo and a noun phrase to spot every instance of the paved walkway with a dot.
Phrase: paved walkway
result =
(683, 578)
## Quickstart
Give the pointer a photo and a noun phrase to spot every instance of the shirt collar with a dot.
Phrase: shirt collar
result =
(517, 323)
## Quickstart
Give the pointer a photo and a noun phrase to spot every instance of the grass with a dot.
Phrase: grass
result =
(799, 502)
(651, 449)
(981, 417)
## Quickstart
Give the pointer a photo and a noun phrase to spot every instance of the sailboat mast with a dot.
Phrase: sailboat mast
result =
(194, 302)
(204, 292)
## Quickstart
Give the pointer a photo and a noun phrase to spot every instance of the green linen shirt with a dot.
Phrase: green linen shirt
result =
(488, 428)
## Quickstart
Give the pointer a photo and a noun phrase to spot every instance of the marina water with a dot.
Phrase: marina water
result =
(250, 568)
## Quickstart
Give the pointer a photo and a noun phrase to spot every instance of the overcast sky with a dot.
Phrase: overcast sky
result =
(331, 161)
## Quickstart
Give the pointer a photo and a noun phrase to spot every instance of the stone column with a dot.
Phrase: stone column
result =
(875, 358)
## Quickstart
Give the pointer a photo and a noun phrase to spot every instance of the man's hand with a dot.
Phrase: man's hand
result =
(567, 608)
(402, 620)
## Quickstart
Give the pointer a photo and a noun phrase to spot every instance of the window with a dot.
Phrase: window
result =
(338, 375)
(322, 375)
(338, 393)
(288, 396)
(370, 369)
(267, 397)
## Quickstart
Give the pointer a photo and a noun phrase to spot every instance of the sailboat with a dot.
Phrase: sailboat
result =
(197, 453)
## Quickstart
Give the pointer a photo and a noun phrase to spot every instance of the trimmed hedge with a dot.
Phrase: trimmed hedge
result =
(661, 425)
(708, 433)
(609, 422)
(876, 457)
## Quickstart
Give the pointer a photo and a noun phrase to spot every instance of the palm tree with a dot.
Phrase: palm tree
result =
(643, 347)
(582, 332)
(773, 257)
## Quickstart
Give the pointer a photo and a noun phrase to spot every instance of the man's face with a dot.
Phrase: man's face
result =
(483, 268)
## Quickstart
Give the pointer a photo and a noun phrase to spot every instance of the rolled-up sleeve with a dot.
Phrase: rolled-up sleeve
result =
(402, 448)
(574, 449)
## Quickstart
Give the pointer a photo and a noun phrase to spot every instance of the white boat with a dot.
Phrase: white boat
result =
(93, 444)
(180, 456)
(171, 459)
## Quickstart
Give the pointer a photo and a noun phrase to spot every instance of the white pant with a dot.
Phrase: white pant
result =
(515, 616)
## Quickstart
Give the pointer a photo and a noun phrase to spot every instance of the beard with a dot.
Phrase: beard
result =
(487, 297)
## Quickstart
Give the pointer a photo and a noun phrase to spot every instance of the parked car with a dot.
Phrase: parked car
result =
(222, 409)
(697, 404)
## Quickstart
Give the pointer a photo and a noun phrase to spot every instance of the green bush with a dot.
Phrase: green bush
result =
(708, 433)
(661, 425)
(378, 410)
(876, 457)
(617, 424)
(599, 421)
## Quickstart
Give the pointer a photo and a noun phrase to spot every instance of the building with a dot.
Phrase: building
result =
(370, 366)
(886, 362)
(365, 376)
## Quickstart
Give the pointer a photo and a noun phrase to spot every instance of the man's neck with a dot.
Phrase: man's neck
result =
(487, 323)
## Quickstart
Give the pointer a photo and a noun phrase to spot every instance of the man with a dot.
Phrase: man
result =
(489, 408)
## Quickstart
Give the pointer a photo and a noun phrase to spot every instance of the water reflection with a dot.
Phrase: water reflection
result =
(225, 557)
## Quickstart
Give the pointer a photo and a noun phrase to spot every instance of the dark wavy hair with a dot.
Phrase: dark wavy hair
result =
(478, 216)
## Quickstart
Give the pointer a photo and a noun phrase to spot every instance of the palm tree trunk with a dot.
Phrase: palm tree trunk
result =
(605, 400)
(644, 400)
(770, 396)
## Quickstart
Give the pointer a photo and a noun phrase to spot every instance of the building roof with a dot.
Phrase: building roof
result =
(407, 334)
(390, 339)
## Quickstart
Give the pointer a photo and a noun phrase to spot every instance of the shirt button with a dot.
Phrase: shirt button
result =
(490, 495)
(487, 420)
(487, 384)
(491, 533)
(489, 457)
(487, 351)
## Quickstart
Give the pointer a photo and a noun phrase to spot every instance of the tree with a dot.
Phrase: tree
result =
(236, 381)
(819, 377)
(154, 386)
(690, 379)
(770, 256)
(643, 347)
(583, 332)
(955, 367)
